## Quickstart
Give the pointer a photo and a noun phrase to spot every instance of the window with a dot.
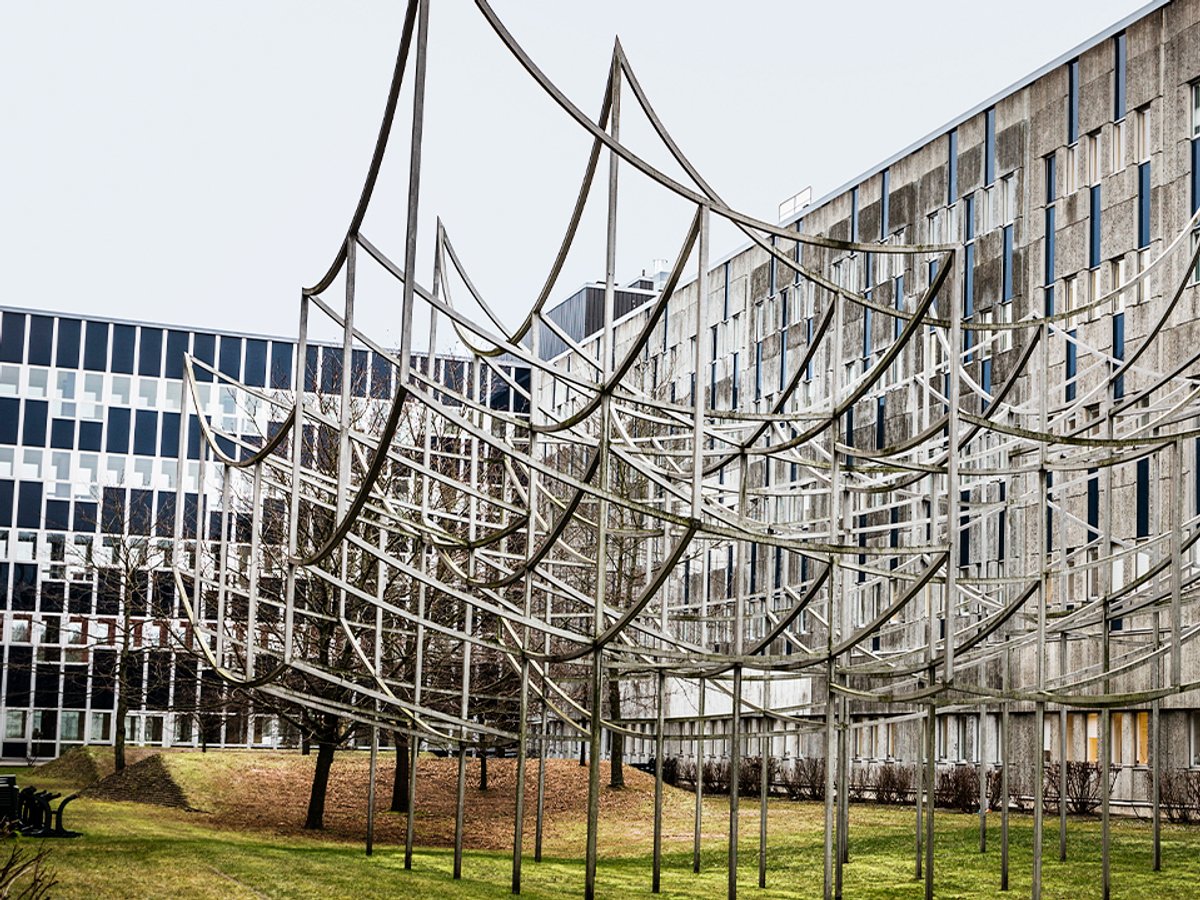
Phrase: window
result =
(1072, 101)
(1091, 158)
(1141, 134)
(1141, 738)
(1072, 169)
(1196, 109)
(1071, 292)
(1070, 366)
(1117, 160)
(1119, 58)
(952, 167)
(989, 146)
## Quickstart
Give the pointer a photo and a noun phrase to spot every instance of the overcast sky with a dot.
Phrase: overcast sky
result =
(197, 163)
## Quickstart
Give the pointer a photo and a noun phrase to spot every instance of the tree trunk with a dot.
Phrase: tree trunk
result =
(400, 777)
(617, 756)
(483, 766)
(326, 743)
(122, 709)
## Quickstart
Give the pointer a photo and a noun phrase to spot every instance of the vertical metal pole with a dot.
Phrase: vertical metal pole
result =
(735, 741)
(699, 809)
(371, 789)
(1155, 755)
(606, 368)
(1063, 749)
(836, 604)
(300, 383)
(764, 754)
(659, 748)
(981, 767)
(1042, 536)
(461, 794)
(255, 565)
(414, 739)
(1005, 745)
(930, 789)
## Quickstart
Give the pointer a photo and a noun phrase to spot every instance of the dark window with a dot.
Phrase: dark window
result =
(58, 515)
(112, 519)
(358, 373)
(231, 356)
(952, 166)
(122, 348)
(256, 363)
(885, 202)
(381, 377)
(1094, 229)
(95, 348)
(310, 370)
(204, 348)
(1118, 336)
(968, 282)
(985, 377)
(12, 337)
(6, 508)
(193, 437)
(331, 369)
(1143, 497)
(177, 348)
(33, 434)
(1071, 350)
(10, 416)
(79, 597)
(1049, 261)
(118, 430)
(41, 337)
(1051, 174)
(1093, 504)
(164, 515)
(150, 352)
(854, 214)
(1119, 76)
(989, 146)
(145, 432)
(68, 343)
(1007, 276)
(880, 422)
(29, 504)
(169, 445)
(90, 435)
(141, 511)
(62, 434)
(85, 516)
(1143, 224)
(281, 365)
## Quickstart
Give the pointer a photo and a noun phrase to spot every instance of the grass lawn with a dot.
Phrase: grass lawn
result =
(137, 850)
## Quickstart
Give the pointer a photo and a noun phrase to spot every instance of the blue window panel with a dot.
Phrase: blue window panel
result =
(1048, 262)
(95, 347)
(12, 337)
(141, 511)
(758, 380)
(381, 377)
(968, 218)
(866, 347)
(880, 422)
(1143, 497)
(964, 531)
(231, 356)
(1071, 364)
(204, 348)
(989, 146)
(7, 489)
(177, 348)
(255, 374)
(90, 436)
(331, 369)
(854, 214)
(1048, 301)
(123, 338)
(1143, 224)
(85, 516)
(735, 376)
(985, 378)
(311, 367)
(725, 297)
(1118, 335)
(782, 362)
(1051, 179)
(1006, 290)
(10, 416)
(773, 269)
(169, 442)
(193, 437)
(521, 400)
(164, 515)
(952, 166)
(281, 366)
(145, 432)
(898, 292)
(1119, 54)
(118, 430)
(1072, 101)
(1002, 527)
(150, 352)
(112, 512)
(41, 340)
(67, 353)
(226, 446)
(1094, 228)
(62, 434)
(808, 337)
(191, 514)
(933, 271)
(358, 373)
(969, 282)
(886, 211)
(58, 515)
(849, 439)
(1093, 504)
(29, 504)
(37, 414)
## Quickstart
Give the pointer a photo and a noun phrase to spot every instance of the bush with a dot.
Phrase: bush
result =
(958, 788)
(750, 775)
(685, 772)
(1083, 786)
(23, 873)
(894, 783)
(716, 776)
(862, 784)
(1179, 794)
(804, 779)
(1018, 789)
(670, 769)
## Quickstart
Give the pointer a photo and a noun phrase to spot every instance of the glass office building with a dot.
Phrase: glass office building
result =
(89, 466)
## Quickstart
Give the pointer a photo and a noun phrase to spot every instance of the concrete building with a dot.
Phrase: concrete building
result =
(1073, 196)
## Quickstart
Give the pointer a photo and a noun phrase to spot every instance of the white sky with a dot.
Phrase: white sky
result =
(198, 163)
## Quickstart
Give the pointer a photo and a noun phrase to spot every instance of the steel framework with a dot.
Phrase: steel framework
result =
(448, 528)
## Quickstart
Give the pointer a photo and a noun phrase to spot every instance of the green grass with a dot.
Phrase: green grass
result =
(133, 850)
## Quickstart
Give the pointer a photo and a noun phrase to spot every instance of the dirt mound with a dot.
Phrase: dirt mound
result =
(86, 765)
(148, 781)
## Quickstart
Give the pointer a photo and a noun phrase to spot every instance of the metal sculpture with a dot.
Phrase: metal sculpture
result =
(486, 535)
